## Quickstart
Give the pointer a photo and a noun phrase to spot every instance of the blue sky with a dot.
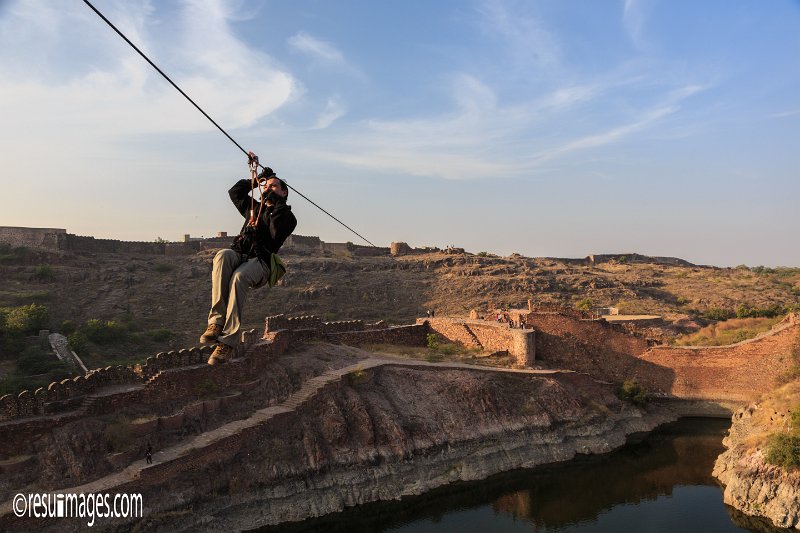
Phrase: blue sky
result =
(548, 128)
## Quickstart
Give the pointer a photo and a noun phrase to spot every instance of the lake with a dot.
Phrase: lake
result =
(658, 482)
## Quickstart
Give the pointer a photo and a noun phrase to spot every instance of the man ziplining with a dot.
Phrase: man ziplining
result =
(251, 261)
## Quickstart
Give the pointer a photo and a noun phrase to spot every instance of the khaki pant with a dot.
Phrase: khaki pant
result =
(230, 279)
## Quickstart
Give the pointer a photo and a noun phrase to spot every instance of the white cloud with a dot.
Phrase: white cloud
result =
(334, 109)
(634, 18)
(316, 48)
(481, 137)
(118, 94)
(529, 41)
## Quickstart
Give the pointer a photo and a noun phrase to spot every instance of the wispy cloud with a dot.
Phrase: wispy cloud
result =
(784, 114)
(529, 41)
(334, 109)
(120, 94)
(316, 48)
(634, 18)
(482, 137)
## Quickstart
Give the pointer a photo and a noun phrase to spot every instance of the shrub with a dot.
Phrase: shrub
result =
(433, 344)
(783, 450)
(160, 334)
(717, 313)
(206, 388)
(44, 273)
(107, 332)
(68, 326)
(27, 319)
(163, 267)
(78, 342)
(760, 312)
(584, 304)
(631, 391)
(34, 361)
(483, 254)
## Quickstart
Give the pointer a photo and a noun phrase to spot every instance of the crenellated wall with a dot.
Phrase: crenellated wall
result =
(57, 239)
(69, 394)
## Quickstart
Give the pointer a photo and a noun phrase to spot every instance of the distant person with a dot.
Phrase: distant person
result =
(148, 454)
(428, 313)
(251, 261)
(433, 313)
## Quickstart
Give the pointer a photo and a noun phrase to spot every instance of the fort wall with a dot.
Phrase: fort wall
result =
(71, 393)
(37, 238)
(57, 239)
(498, 337)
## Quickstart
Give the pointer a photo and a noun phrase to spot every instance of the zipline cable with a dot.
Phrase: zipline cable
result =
(99, 14)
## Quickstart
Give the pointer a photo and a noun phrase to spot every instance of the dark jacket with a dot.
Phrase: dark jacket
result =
(275, 224)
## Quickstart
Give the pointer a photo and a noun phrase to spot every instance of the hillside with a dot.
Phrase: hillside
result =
(157, 303)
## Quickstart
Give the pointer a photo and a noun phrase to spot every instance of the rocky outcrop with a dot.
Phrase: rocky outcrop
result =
(370, 433)
(751, 485)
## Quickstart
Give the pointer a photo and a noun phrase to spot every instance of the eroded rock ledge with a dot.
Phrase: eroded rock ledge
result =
(388, 432)
(751, 485)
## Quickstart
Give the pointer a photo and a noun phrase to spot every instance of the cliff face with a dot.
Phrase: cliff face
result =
(384, 433)
(751, 485)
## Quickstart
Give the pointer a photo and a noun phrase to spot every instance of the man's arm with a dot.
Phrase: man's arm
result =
(240, 196)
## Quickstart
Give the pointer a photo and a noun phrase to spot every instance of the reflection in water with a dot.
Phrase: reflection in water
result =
(660, 483)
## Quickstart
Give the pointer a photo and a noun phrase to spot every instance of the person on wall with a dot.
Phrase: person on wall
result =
(251, 261)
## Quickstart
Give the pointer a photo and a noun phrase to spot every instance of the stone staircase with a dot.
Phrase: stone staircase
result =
(474, 339)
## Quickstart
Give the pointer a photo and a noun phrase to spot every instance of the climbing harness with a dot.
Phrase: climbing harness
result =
(212, 120)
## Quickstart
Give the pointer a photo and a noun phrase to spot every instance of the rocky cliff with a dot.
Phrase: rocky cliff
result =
(378, 433)
(751, 484)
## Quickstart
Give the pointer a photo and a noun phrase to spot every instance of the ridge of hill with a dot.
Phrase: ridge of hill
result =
(144, 293)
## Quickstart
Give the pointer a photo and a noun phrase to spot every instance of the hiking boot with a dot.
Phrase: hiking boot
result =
(221, 354)
(212, 333)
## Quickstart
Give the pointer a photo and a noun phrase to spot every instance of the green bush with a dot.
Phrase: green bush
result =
(631, 391)
(783, 449)
(27, 319)
(760, 312)
(717, 313)
(34, 361)
(433, 344)
(206, 388)
(159, 335)
(100, 332)
(68, 326)
(584, 304)
(78, 343)
(44, 273)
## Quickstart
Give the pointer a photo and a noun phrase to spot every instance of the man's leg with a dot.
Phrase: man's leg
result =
(225, 262)
(248, 274)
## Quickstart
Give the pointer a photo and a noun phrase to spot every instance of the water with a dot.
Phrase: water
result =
(659, 483)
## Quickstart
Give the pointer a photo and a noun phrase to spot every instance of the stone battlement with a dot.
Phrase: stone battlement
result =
(58, 240)
(68, 394)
